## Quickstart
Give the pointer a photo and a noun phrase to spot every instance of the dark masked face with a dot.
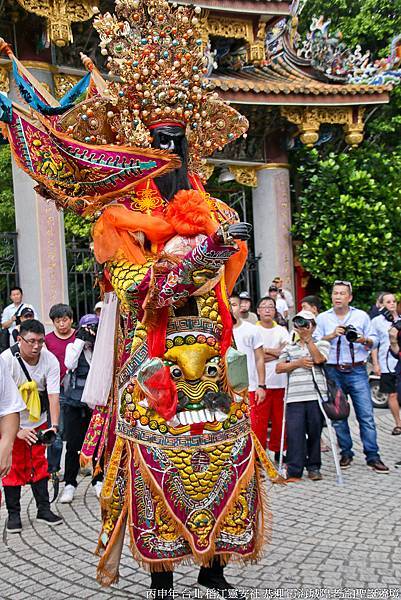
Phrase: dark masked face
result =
(172, 138)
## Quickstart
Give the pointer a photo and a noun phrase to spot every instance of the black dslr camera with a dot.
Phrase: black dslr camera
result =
(46, 437)
(299, 321)
(389, 317)
(351, 333)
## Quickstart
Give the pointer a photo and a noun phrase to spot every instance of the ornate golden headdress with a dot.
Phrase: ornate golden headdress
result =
(155, 50)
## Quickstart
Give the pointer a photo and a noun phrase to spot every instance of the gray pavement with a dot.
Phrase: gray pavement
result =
(328, 541)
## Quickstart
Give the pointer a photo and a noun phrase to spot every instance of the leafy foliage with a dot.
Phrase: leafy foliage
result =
(372, 24)
(349, 218)
(7, 212)
(76, 227)
(348, 202)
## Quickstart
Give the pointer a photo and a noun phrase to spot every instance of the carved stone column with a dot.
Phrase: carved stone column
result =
(41, 245)
(272, 222)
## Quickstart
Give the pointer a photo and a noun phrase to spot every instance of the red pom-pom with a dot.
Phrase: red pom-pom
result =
(189, 214)
(163, 393)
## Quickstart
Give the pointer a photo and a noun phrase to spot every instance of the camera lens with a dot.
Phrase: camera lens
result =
(300, 322)
(47, 438)
(351, 333)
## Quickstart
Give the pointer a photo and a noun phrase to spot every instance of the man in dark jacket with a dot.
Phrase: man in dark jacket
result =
(77, 415)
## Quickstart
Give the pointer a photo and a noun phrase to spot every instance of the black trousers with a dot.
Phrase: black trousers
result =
(76, 422)
(304, 428)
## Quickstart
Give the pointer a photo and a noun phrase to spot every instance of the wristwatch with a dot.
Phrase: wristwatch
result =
(262, 386)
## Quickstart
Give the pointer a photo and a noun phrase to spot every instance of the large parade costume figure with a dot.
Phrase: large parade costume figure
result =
(180, 459)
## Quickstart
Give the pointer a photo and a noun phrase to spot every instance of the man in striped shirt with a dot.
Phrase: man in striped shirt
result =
(303, 413)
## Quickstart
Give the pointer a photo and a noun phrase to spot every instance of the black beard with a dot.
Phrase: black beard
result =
(176, 180)
(173, 182)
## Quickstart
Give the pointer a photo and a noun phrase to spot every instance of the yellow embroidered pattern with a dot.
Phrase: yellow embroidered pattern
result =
(199, 482)
(147, 200)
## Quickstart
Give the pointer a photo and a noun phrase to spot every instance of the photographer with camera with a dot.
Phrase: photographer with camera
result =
(384, 363)
(303, 415)
(10, 317)
(349, 332)
(77, 415)
(36, 373)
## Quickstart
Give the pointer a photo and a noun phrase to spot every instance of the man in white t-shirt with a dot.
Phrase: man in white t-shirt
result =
(11, 404)
(35, 371)
(275, 337)
(9, 317)
(249, 341)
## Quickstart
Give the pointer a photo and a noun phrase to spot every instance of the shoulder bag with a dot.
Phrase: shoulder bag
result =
(336, 405)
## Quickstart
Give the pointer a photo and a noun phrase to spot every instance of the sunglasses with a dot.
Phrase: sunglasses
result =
(347, 283)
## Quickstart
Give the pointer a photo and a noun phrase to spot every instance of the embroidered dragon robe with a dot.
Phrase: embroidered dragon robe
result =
(181, 476)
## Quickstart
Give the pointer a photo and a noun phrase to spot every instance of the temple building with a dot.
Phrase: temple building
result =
(289, 87)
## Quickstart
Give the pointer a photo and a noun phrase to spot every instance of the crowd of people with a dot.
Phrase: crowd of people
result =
(45, 381)
(302, 357)
(290, 361)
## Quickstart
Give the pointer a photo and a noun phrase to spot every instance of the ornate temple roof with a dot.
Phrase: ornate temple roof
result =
(257, 88)
(259, 7)
(320, 70)
(258, 59)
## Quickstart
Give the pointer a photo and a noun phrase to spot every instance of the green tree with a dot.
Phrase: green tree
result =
(7, 212)
(347, 202)
(349, 218)
(372, 24)
(76, 227)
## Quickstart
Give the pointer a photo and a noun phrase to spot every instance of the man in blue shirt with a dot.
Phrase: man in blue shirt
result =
(346, 365)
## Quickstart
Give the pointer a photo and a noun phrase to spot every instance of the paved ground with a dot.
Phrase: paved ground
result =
(328, 541)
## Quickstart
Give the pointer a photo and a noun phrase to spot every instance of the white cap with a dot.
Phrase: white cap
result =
(98, 305)
(306, 314)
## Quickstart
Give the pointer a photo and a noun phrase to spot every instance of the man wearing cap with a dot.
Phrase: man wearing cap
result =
(25, 314)
(281, 304)
(284, 293)
(244, 308)
(77, 415)
(350, 334)
(98, 308)
(303, 415)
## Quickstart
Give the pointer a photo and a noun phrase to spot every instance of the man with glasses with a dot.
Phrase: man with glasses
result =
(349, 332)
(36, 372)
